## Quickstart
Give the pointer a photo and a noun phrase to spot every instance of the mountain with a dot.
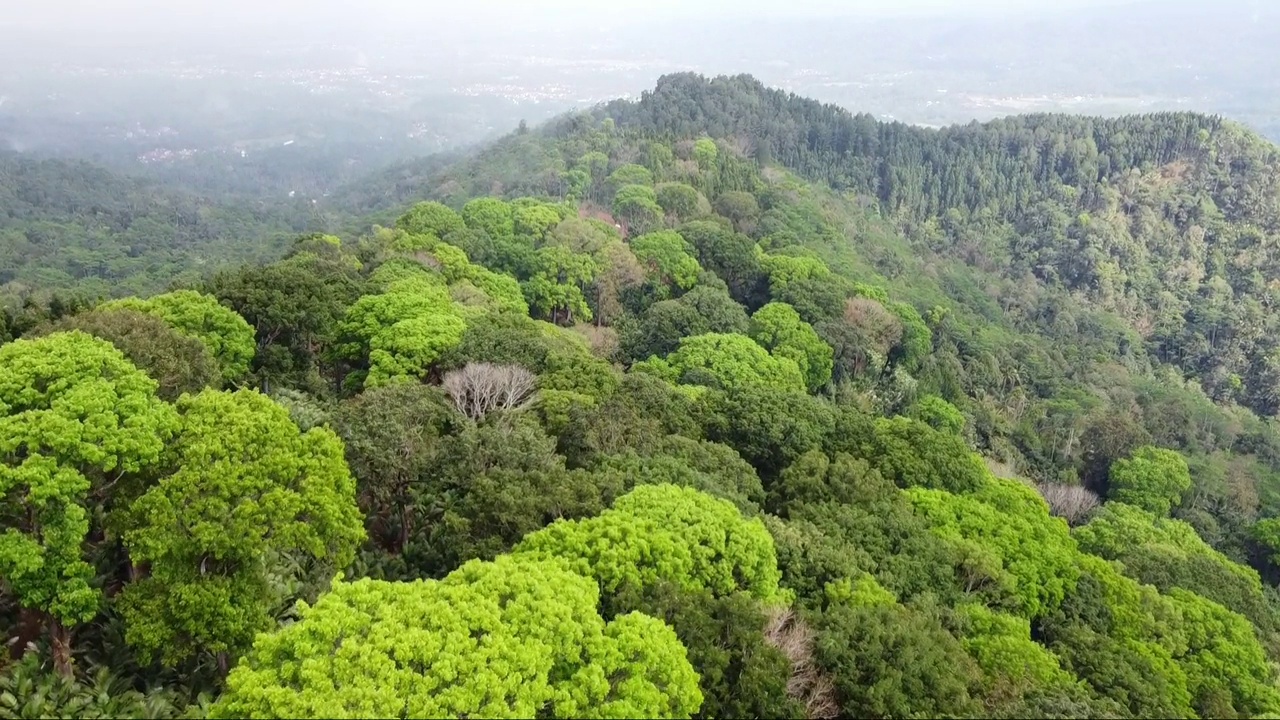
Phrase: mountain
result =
(74, 226)
(718, 403)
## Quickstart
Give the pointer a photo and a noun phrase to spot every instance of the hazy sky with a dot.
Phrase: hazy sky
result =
(109, 15)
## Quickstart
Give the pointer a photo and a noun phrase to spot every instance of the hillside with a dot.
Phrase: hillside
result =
(74, 226)
(656, 418)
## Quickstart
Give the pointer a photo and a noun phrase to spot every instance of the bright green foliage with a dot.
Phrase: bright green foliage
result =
(401, 332)
(177, 362)
(1227, 670)
(731, 362)
(490, 215)
(637, 206)
(1153, 479)
(1002, 646)
(630, 174)
(510, 638)
(939, 414)
(1119, 529)
(705, 153)
(555, 291)
(666, 255)
(778, 327)
(659, 533)
(1121, 638)
(502, 289)
(535, 220)
(1008, 520)
(400, 269)
(74, 416)
(784, 270)
(229, 339)
(248, 488)
(430, 218)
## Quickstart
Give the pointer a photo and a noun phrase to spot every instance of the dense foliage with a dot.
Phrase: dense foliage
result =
(630, 418)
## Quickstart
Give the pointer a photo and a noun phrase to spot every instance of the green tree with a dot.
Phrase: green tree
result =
(490, 215)
(511, 638)
(77, 417)
(637, 207)
(177, 362)
(666, 255)
(430, 218)
(892, 660)
(778, 327)
(1153, 479)
(249, 496)
(294, 306)
(229, 339)
(399, 333)
(682, 201)
(732, 361)
(395, 437)
(665, 533)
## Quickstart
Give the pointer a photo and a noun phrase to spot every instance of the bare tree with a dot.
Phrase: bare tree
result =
(1073, 503)
(480, 388)
(808, 684)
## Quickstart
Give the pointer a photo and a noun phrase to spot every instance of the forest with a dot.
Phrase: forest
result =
(719, 403)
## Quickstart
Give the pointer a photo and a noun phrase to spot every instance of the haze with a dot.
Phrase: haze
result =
(340, 88)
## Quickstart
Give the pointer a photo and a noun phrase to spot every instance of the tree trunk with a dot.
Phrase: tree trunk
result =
(60, 640)
(223, 664)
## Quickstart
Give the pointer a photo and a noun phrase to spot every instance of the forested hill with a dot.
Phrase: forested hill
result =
(77, 227)
(619, 421)
(1170, 220)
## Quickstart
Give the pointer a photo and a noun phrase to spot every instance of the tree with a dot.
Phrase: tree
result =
(1009, 520)
(1152, 478)
(396, 439)
(637, 207)
(490, 215)
(481, 388)
(430, 218)
(740, 207)
(769, 425)
(732, 257)
(667, 258)
(178, 363)
(510, 638)
(77, 419)
(732, 361)
(665, 533)
(556, 289)
(294, 307)
(682, 201)
(229, 339)
(891, 660)
(401, 332)
(778, 327)
(630, 174)
(249, 496)
(620, 271)
(535, 221)
(939, 414)
(1228, 673)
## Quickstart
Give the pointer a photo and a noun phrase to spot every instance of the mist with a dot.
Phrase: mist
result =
(280, 95)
